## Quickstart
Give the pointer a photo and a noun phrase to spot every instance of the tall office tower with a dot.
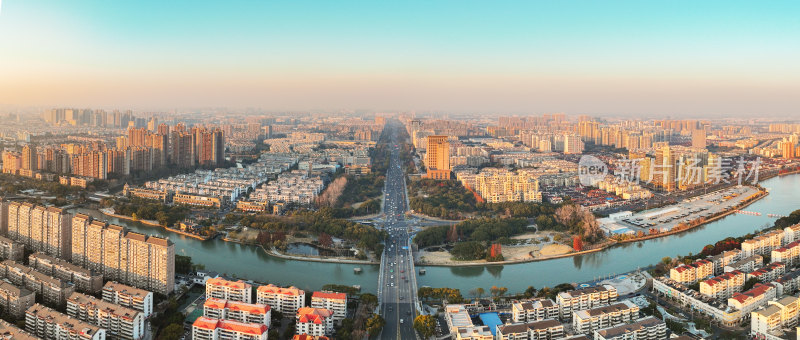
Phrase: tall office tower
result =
(437, 157)
(572, 144)
(29, 157)
(699, 138)
(128, 257)
(663, 170)
(182, 149)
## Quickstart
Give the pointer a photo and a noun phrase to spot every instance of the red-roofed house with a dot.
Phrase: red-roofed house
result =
(220, 288)
(336, 302)
(788, 254)
(309, 337)
(771, 271)
(314, 321)
(284, 300)
(237, 311)
(723, 286)
(754, 298)
(693, 272)
(213, 329)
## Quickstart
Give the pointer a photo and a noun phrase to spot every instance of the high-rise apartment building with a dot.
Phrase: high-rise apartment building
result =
(699, 138)
(664, 169)
(29, 158)
(573, 144)
(437, 157)
(182, 149)
(128, 257)
(44, 229)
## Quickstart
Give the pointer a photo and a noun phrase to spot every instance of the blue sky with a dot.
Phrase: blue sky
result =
(664, 58)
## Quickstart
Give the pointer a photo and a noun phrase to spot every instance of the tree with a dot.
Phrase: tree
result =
(171, 332)
(325, 240)
(480, 292)
(425, 325)
(374, 324)
(750, 283)
(577, 244)
(530, 292)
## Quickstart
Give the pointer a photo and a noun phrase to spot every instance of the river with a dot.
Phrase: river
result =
(623, 258)
(249, 262)
(252, 263)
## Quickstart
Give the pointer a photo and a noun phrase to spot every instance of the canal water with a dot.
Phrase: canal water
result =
(252, 263)
(249, 262)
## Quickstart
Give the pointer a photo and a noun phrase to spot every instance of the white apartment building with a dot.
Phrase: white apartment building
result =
(788, 254)
(127, 296)
(120, 322)
(220, 288)
(752, 299)
(766, 323)
(213, 329)
(314, 321)
(763, 244)
(537, 330)
(48, 324)
(648, 328)
(723, 286)
(284, 300)
(534, 310)
(585, 298)
(237, 311)
(693, 272)
(336, 302)
(589, 320)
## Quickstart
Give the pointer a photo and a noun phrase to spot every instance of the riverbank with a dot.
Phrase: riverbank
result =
(274, 252)
(152, 223)
(445, 261)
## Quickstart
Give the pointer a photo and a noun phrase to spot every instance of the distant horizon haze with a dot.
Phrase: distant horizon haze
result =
(678, 59)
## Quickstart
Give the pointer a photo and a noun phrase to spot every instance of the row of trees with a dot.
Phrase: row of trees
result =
(452, 295)
(442, 199)
(317, 222)
(479, 230)
(166, 215)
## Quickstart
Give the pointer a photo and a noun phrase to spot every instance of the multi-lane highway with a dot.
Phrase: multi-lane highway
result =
(397, 271)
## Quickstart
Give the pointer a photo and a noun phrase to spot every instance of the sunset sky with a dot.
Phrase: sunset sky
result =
(737, 58)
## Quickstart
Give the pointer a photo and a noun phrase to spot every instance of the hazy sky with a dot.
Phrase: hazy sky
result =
(652, 57)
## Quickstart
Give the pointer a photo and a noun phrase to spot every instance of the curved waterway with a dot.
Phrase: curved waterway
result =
(783, 199)
(249, 262)
(252, 263)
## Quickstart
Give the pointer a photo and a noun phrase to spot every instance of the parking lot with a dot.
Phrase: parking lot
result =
(666, 218)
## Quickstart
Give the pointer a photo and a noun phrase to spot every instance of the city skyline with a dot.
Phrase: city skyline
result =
(715, 59)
